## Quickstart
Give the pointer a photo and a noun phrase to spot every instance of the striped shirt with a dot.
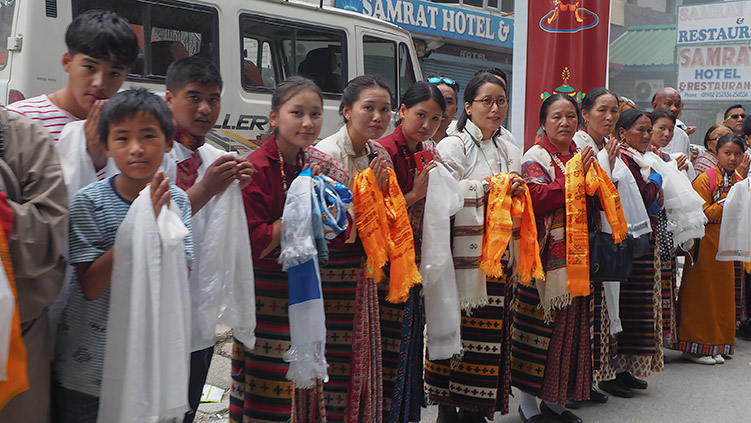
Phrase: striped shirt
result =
(96, 212)
(41, 108)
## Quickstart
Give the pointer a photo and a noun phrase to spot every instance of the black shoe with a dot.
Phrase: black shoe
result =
(471, 417)
(628, 380)
(565, 417)
(597, 397)
(744, 330)
(447, 414)
(615, 388)
(573, 405)
(537, 418)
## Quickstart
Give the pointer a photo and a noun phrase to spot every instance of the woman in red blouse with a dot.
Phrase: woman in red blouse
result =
(551, 355)
(402, 324)
(260, 389)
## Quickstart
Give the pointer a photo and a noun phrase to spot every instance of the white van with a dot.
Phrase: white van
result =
(255, 44)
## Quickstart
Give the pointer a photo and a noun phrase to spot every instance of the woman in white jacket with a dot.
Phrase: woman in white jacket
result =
(480, 149)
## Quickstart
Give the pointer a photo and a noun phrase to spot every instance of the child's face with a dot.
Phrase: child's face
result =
(137, 145)
(92, 79)
(299, 119)
(730, 155)
(195, 107)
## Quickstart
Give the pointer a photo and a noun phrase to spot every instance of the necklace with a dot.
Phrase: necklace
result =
(283, 172)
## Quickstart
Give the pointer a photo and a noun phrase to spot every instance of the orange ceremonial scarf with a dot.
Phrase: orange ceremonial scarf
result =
(501, 210)
(578, 186)
(385, 232)
(16, 367)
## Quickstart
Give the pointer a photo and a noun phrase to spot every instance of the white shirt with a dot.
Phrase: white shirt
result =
(464, 160)
(679, 143)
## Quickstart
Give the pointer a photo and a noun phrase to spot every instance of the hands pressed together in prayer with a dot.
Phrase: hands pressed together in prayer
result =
(91, 127)
(744, 166)
(588, 156)
(380, 169)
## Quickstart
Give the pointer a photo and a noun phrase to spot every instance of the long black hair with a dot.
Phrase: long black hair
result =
(355, 86)
(731, 138)
(421, 91)
(661, 113)
(589, 100)
(627, 119)
(470, 92)
(552, 99)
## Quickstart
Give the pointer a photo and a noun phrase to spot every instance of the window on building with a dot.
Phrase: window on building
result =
(476, 3)
(166, 31)
(507, 6)
(273, 50)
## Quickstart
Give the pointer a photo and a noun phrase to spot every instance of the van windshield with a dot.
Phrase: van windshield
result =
(6, 23)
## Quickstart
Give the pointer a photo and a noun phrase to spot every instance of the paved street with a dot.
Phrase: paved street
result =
(684, 392)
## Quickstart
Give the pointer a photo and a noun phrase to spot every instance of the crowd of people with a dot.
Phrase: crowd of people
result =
(330, 259)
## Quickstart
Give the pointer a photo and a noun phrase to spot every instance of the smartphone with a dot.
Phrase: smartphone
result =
(373, 154)
(422, 158)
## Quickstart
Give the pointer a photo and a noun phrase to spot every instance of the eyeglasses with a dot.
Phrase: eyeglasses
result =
(736, 116)
(627, 101)
(488, 102)
(439, 79)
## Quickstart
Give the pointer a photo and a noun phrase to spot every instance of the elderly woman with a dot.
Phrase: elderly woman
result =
(640, 345)
(550, 347)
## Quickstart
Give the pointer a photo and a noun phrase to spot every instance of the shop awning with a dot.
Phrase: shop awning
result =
(652, 45)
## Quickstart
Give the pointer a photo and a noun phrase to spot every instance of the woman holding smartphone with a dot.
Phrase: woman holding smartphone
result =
(402, 325)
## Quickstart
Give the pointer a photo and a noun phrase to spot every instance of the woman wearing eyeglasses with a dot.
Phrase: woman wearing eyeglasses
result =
(477, 383)
(450, 89)
(708, 159)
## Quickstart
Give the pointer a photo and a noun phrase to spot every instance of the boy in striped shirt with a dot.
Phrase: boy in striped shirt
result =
(101, 49)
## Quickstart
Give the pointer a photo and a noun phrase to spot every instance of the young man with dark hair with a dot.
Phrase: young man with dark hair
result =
(101, 49)
(194, 88)
(450, 90)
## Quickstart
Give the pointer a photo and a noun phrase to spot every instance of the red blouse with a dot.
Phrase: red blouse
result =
(264, 197)
(404, 161)
(548, 197)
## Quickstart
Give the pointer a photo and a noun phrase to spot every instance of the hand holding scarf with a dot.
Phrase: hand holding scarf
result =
(314, 205)
(579, 184)
(501, 210)
(385, 231)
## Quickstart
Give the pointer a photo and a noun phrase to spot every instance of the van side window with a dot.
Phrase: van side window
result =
(272, 50)
(6, 23)
(166, 31)
(379, 57)
(406, 71)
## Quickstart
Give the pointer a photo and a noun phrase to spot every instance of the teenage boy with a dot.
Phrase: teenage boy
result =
(35, 194)
(136, 130)
(194, 87)
(101, 49)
